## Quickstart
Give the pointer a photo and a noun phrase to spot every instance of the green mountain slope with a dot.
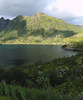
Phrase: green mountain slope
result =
(75, 42)
(37, 29)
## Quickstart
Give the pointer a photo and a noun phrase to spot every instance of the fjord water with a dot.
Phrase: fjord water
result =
(12, 55)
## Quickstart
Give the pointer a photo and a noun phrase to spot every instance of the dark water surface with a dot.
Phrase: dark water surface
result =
(20, 54)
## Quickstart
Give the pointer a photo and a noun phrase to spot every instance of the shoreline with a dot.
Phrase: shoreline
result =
(65, 47)
(72, 49)
(27, 44)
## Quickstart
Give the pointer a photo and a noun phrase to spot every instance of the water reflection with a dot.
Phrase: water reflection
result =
(20, 54)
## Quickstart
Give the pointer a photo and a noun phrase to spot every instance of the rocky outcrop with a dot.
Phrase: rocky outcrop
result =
(3, 23)
(72, 48)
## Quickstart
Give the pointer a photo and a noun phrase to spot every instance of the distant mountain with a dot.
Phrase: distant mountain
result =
(79, 25)
(37, 29)
(3, 23)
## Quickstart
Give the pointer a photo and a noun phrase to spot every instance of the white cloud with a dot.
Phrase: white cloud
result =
(65, 8)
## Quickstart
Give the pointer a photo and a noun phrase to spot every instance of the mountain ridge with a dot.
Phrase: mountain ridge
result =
(3, 23)
(37, 29)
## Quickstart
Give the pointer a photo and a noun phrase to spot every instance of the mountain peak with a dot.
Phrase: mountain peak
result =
(2, 18)
(39, 13)
(19, 16)
(3, 23)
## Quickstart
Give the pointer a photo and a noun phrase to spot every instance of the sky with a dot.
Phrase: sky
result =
(69, 10)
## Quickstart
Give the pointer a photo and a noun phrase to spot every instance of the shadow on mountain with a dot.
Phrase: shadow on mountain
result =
(16, 29)
(18, 26)
(52, 33)
(9, 38)
(3, 23)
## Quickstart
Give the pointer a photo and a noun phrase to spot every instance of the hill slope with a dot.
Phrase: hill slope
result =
(3, 23)
(37, 29)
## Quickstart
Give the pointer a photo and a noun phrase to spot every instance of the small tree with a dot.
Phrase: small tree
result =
(42, 80)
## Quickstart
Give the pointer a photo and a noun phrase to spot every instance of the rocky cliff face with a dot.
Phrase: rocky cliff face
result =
(3, 23)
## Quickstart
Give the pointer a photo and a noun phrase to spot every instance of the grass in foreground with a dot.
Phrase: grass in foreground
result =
(9, 92)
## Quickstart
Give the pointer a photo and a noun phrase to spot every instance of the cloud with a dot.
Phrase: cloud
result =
(65, 9)
(68, 10)
(12, 8)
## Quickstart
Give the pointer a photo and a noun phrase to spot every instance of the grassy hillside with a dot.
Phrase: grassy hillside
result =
(59, 79)
(74, 42)
(37, 29)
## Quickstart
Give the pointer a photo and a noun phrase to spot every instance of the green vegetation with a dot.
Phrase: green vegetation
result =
(75, 42)
(5, 98)
(60, 79)
(20, 93)
(38, 29)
